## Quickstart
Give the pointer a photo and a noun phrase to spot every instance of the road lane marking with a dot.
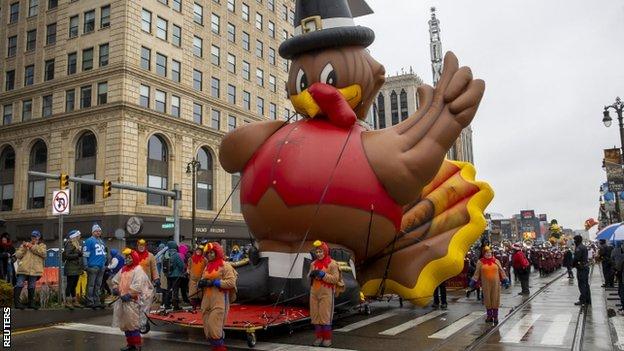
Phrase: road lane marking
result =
(516, 333)
(366, 322)
(618, 325)
(166, 336)
(411, 324)
(456, 326)
(557, 330)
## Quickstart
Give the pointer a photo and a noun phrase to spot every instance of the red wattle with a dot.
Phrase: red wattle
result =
(333, 105)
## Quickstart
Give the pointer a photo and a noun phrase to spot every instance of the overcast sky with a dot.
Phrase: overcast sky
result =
(549, 67)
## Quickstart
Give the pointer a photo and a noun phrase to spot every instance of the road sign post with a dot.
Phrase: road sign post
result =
(60, 207)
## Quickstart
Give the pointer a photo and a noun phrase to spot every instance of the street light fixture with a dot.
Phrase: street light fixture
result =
(192, 168)
(606, 119)
(618, 107)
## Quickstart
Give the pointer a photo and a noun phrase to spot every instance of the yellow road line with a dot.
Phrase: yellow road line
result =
(25, 331)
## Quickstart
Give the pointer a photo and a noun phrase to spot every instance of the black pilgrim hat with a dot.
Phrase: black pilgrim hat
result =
(322, 24)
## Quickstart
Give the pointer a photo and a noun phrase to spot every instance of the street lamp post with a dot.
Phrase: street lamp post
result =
(192, 168)
(618, 107)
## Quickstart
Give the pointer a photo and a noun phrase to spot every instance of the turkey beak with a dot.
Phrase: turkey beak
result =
(304, 102)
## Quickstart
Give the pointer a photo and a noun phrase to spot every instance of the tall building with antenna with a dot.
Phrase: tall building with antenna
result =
(462, 150)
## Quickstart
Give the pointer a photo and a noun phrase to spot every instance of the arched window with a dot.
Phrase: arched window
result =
(403, 105)
(394, 107)
(381, 111)
(36, 185)
(204, 180)
(7, 171)
(157, 169)
(236, 204)
(86, 158)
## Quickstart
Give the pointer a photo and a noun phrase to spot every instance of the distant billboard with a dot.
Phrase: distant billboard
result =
(527, 214)
(543, 217)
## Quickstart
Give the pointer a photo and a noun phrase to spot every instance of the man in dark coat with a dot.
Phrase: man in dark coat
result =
(604, 253)
(568, 257)
(581, 262)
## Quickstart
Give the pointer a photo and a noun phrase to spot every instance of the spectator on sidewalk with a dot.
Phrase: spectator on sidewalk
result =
(183, 250)
(617, 256)
(581, 263)
(30, 259)
(73, 265)
(604, 256)
(173, 268)
(522, 268)
(7, 251)
(94, 255)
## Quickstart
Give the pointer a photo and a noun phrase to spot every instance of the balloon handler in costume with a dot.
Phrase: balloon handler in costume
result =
(388, 197)
(491, 274)
(195, 268)
(326, 278)
(135, 292)
(219, 290)
(147, 261)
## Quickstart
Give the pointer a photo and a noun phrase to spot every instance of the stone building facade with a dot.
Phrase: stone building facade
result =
(132, 91)
(397, 99)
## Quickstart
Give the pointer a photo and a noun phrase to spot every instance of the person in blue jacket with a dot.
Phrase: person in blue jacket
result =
(94, 260)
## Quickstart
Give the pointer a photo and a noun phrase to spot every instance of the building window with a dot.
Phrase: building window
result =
(231, 63)
(272, 111)
(103, 60)
(215, 54)
(231, 123)
(246, 70)
(87, 59)
(198, 113)
(204, 180)
(175, 106)
(259, 49)
(161, 64)
(215, 121)
(231, 5)
(157, 169)
(245, 12)
(197, 46)
(9, 81)
(381, 110)
(260, 77)
(46, 106)
(164, 2)
(291, 17)
(236, 205)
(73, 26)
(146, 21)
(246, 41)
(144, 96)
(160, 101)
(272, 56)
(146, 58)
(85, 96)
(14, 12)
(198, 14)
(286, 113)
(197, 80)
(7, 174)
(272, 84)
(70, 100)
(175, 70)
(48, 73)
(176, 35)
(271, 5)
(258, 21)
(37, 186)
(31, 40)
(177, 5)
(394, 108)
(7, 114)
(260, 106)
(29, 75)
(247, 100)
(89, 22)
(215, 87)
(102, 93)
(231, 94)
(27, 110)
(271, 26)
(33, 7)
(215, 23)
(231, 32)
(161, 28)
(86, 161)
(72, 59)
(403, 104)
(51, 34)
(12, 46)
(52, 4)
(105, 16)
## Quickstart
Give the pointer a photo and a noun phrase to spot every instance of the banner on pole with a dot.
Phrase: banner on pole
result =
(60, 202)
(613, 166)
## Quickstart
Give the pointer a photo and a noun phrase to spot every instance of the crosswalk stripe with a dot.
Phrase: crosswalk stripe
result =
(157, 335)
(456, 326)
(366, 322)
(618, 325)
(414, 322)
(515, 334)
(557, 330)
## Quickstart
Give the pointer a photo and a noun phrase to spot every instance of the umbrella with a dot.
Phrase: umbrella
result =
(608, 232)
(618, 234)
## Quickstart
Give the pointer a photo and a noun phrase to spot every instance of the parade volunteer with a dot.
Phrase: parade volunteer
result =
(147, 261)
(325, 276)
(195, 268)
(135, 293)
(219, 290)
(491, 274)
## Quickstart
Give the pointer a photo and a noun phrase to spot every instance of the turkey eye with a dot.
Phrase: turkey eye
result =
(328, 75)
(302, 81)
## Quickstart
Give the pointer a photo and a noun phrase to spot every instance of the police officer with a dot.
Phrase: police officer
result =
(581, 262)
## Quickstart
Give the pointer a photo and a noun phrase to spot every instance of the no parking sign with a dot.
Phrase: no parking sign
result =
(60, 202)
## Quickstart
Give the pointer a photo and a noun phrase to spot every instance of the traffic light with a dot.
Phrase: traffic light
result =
(107, 186)
(64, 181)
